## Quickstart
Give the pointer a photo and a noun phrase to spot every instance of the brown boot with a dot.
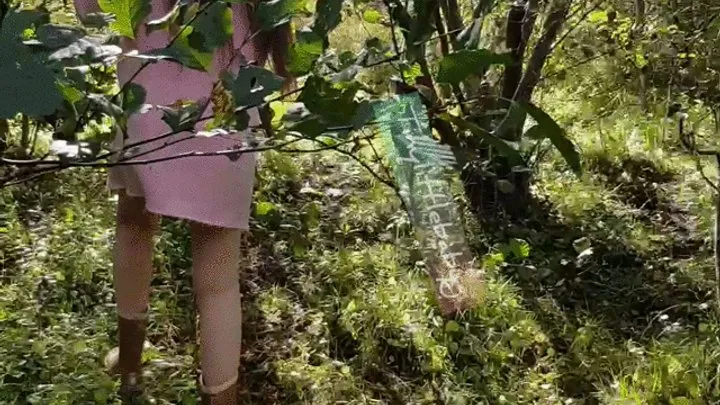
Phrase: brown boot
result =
(126, 359)
(225, 395)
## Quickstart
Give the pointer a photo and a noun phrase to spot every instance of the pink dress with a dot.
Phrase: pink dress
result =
(213, 190)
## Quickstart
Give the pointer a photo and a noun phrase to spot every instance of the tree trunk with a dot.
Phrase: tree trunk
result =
(554, 22)
(25, 135)
(440, 26)
(482, 189)
(451, 11)
(4, 131)
(638, 29)
(513, 42)
(716, 240)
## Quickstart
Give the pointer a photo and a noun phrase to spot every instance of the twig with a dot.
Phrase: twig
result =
(367, 167)
(230, 153)
(396, 47)
(571, 29)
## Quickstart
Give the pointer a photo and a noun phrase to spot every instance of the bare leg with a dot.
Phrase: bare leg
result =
(133, 270)
(132, 275)
(216, 255)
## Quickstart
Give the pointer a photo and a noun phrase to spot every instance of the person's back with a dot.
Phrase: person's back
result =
(213, 193)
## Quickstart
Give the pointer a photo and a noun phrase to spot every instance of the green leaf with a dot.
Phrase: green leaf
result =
(327, 16)
(535, 133)
(26, 85)
(70, 93)
(133, 98)
(304, 52)
(452, 326)
(511, 122)
(598, 16)
(458, 66)
(182, 52)
(274, 13)
(184, 115)
(310, 127)
(363, 115)
(520, 248)
(128, 14)
(503, 147)
(557, 136)
(263, 208)
(251, 85)
(372, 16)
(103, 104)
(212, 28)
(16, 22)
(335, 103)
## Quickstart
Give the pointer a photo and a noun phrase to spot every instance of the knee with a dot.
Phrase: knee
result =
(216, 254)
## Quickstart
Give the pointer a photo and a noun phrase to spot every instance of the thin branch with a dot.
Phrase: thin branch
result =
(396, 47)
(229, 153)
(578, 64)
(574, 27)
(367, 167)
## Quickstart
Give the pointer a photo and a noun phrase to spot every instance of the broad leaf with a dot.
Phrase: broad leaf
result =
(102, 103)
(183, 116)
(212, 28)
(311, 126)
(511, 122)
(458, 66)
(327, 16)
(26, 85)
(500, 145)
(71, 94)
(251, 85)
(304, 52)
(557, 136)
(334, 103)
(133, 98)
(182, 52)
(363, 115)
(535, 133)
(274, 13)
(128, 14)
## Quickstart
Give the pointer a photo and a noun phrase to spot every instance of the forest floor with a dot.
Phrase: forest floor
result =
(610, 300)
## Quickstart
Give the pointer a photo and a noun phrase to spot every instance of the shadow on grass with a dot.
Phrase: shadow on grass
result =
(634, 295)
